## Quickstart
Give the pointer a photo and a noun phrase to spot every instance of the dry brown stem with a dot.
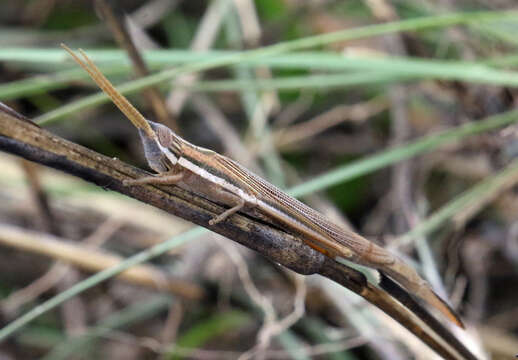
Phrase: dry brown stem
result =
(25, 139)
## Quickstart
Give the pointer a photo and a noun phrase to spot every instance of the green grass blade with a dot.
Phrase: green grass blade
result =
(300, 44)
(391, 156)
(483, 189)
(363, 71)
(42, 83)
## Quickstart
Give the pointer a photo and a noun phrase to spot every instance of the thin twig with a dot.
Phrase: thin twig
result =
(12, 303)
(354, 113)
(123, 38)
(57, 271)
(93, 260)
(171, 325)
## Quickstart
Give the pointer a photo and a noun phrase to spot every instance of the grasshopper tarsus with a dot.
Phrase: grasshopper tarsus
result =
(224, 215)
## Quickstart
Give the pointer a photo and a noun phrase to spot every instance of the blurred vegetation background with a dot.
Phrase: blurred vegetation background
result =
(352, 123)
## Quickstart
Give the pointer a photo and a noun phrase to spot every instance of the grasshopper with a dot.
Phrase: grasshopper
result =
(224, 181)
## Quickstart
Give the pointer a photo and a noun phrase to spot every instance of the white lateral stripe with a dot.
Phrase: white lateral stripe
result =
(216, 180)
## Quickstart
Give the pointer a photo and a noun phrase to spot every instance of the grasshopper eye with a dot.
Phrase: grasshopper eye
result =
(164, 136)
(170, 144)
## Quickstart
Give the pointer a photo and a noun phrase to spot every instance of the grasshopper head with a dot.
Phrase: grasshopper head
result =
(163, 151)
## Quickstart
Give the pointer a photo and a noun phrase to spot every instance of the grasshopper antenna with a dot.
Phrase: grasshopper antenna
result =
(133, 115)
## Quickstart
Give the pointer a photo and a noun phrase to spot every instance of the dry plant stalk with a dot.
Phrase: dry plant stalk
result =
(21, 137)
